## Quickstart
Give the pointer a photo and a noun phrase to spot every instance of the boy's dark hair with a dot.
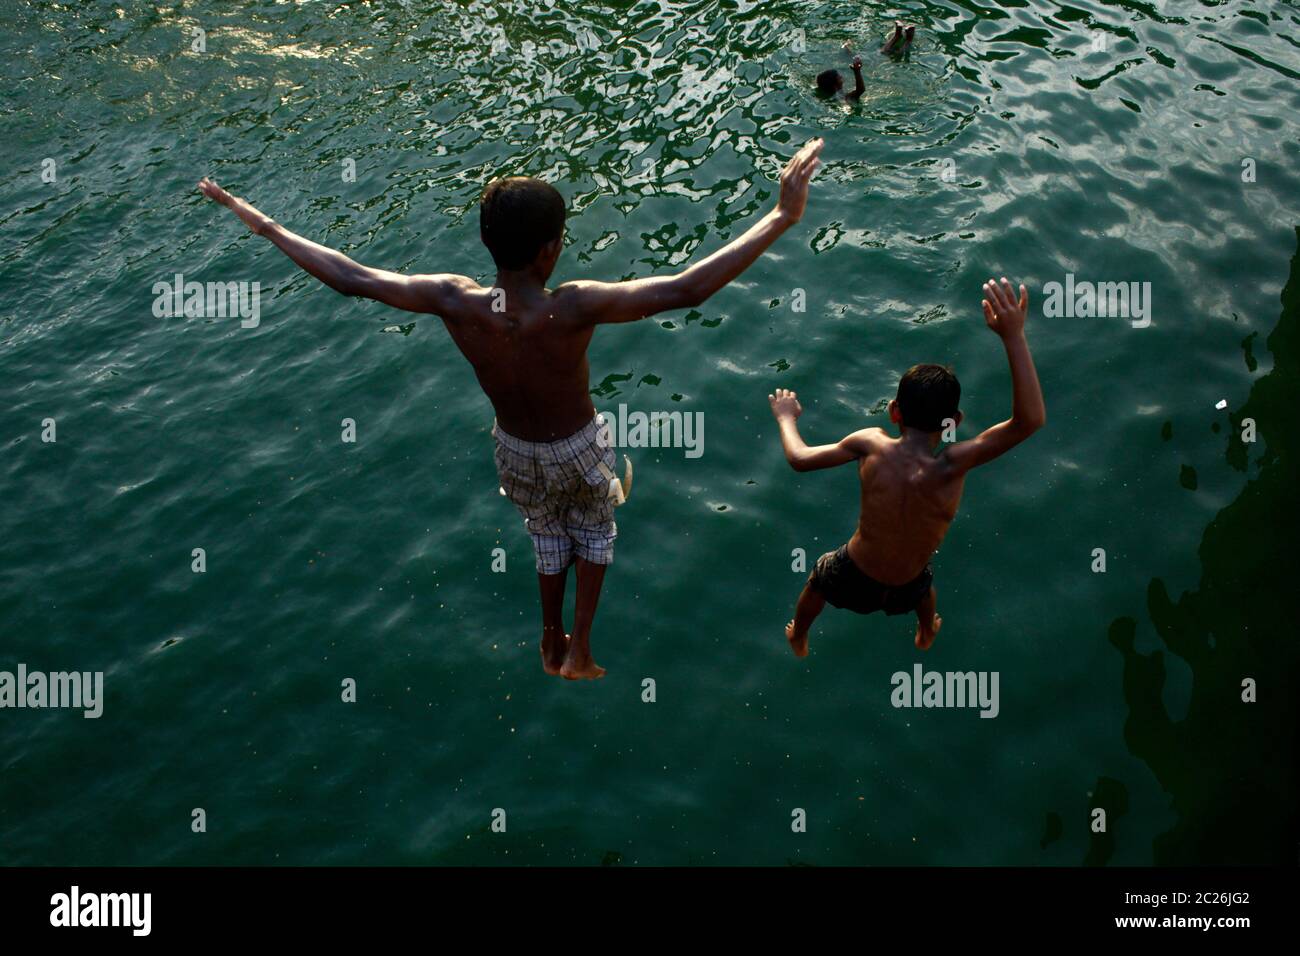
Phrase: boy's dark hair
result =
(829, 81)
(518, 215)
(927, 394)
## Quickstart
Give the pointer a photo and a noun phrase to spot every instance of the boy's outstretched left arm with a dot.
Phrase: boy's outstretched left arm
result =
(804, 457)
(601, 302)
(436, 294)
(1005, 316)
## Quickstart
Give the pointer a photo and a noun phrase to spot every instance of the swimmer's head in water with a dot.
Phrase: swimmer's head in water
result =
(521, 221)
(927, 394)
(829, 82)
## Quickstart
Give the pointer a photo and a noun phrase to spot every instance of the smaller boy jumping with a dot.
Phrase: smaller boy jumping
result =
(909, 494)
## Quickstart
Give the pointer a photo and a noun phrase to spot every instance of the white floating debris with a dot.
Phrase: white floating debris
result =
(1221, 404)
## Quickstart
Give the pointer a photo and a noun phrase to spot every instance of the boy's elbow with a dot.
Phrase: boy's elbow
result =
(1033, 423)
(356, 281)
(691, 296)
(689, 291)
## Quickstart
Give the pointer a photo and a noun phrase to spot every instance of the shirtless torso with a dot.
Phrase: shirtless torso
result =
(909, 498)
(529, 353)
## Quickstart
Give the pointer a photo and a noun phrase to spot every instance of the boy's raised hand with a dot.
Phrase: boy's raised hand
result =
(1002, 312)
(794, 180)
(214, 192)
(785, 404)
(252, 218)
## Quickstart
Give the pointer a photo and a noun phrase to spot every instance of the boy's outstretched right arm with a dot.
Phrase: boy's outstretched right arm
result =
(602, 302)
(1006, 317)
(441, 295)
(805, 457)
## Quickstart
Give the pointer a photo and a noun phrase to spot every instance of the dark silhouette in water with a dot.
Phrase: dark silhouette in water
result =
(1230, 766)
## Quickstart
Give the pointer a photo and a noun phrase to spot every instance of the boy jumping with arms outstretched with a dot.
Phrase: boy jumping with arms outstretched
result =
(909, 494)
(527, 345)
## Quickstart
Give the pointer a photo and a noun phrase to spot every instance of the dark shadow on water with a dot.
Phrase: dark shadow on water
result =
(1111, 796)
(1053, 829)
(1230, 766)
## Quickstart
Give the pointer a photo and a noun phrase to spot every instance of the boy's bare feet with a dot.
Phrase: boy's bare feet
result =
(578, 664)
(908, 35)
(583, 668)
(798, 643)
(925, 635)
(554, 647)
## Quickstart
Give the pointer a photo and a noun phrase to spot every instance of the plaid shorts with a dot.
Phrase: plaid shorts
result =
(563, 493)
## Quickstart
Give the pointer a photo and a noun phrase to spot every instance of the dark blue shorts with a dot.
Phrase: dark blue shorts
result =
(836, 578)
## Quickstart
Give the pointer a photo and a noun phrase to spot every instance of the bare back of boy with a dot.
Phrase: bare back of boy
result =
(529, 354)
(909, 499)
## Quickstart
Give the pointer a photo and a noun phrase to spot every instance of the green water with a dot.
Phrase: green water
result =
(663, 124)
